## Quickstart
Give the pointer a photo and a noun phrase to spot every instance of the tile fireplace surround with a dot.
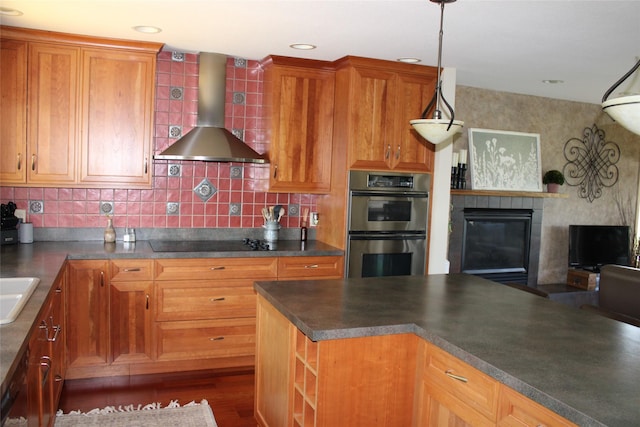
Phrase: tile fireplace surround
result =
(461, 201)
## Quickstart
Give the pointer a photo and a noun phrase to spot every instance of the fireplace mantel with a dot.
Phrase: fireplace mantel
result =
(508, 193)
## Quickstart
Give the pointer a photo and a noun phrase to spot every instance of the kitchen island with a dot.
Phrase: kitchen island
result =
(580, 366)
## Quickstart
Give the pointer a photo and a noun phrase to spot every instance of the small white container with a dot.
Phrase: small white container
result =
(25, 232)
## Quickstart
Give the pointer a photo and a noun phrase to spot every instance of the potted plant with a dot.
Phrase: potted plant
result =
(553, 180)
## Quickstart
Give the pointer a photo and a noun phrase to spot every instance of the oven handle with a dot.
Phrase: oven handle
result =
(417, 195)
(417, 235)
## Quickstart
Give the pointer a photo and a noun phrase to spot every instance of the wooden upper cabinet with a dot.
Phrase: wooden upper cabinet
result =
(76, 111)
(374, 102)
(53, 110)
(117, 122)
(298, 108)
(13, 111)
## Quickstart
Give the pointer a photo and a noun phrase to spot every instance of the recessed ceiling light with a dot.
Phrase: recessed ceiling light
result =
(7, 11)
(302, 46)
(409, 60)
(147, 29)
(552, 82)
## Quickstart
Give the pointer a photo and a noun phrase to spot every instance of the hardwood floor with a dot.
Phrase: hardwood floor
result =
(229, 393)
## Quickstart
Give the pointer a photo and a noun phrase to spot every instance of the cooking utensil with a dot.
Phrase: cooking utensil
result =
(280, 213)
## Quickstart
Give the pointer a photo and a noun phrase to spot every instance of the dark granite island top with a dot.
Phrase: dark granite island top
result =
(580, 365)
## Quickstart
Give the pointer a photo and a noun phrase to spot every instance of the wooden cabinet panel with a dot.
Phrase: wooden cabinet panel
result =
(371, 135)
(298, 108)
(196, 300)
(321, 267)
(13, 111)
(131, 269)
(131, 318)
(515, 410)
(87, 308)
(53, 114)
(216, 268)
(477, 390)
(117, 122)
(379, 98)
(46, 369)
(199, 339)
(413, 153)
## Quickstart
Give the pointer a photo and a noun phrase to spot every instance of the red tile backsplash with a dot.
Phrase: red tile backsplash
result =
(66, 207)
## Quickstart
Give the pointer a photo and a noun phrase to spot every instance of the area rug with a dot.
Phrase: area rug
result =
(152, 415)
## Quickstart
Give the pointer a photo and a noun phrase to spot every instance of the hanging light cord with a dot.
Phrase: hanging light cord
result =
(438, 96)
(619, 82)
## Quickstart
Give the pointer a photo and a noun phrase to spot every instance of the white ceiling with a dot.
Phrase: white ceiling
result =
(504, 45)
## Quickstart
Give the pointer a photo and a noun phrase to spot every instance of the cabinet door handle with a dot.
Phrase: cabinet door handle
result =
(219, 267)
(146, 165)
(58, 379)
(33, 162)
(131, 270)
(43, 327)
(58, 290)
(216, 339)
(45, 363)
(450, 374)
(216, 299)
(56, 330)
(398, 152)
(388, 153)
(147, 303)
(19, 161)
(312, 266)
(102, 279)
(275, 171)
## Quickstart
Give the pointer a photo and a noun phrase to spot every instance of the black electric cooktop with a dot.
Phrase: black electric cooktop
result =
(208, 245)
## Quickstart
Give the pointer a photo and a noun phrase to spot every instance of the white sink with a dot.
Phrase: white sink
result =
(14, 294)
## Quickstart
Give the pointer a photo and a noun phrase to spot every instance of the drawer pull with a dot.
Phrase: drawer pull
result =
(312, 266)
(58, 379)
(216, 299)
(56, 330)
(450, 374)
(220, 267)
(131, 270)
(216, 339)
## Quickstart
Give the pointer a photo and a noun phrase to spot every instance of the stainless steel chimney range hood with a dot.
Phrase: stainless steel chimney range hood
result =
(209, 141)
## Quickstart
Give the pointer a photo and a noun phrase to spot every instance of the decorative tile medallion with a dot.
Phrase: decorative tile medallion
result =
(106, 208)
(236, 172)
(177, 56)
(175, 131)
(174, 170)
(205, 190)
(176, 93)
(173, 208)
(235, 209)
(36, 206)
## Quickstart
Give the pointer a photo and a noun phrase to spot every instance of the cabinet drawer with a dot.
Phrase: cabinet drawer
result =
(476, 389)
(516, 410)
(201, 300)
(205, 339)
(310, 267)
(216, 268)
(132, 269)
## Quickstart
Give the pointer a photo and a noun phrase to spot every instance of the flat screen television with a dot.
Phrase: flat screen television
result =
(592, 246)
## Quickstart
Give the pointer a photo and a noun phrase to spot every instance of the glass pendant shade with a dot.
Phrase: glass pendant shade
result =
(626, 111)
(436, 130)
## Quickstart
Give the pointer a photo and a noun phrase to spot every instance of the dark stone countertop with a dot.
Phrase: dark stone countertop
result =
(44, 260)
(580, 365)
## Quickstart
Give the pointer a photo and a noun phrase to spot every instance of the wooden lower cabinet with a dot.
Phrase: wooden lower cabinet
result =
(46, 363)
(392, 380)
(137, 316)
(87, 310)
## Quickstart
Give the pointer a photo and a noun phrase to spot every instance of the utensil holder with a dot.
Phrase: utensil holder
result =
(271, 229)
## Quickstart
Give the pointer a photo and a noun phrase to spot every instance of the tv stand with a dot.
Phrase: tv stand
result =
(569, 295)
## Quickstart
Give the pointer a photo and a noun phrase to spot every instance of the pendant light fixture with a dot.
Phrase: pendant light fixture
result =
(624, 109)
(437, 129)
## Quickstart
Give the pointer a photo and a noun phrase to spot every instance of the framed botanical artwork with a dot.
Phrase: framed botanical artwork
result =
(501, 160)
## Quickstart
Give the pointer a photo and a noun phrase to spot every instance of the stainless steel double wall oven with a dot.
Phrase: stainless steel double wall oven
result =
(387, 233)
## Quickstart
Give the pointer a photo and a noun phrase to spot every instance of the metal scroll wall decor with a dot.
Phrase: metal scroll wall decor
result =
(591, 163)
